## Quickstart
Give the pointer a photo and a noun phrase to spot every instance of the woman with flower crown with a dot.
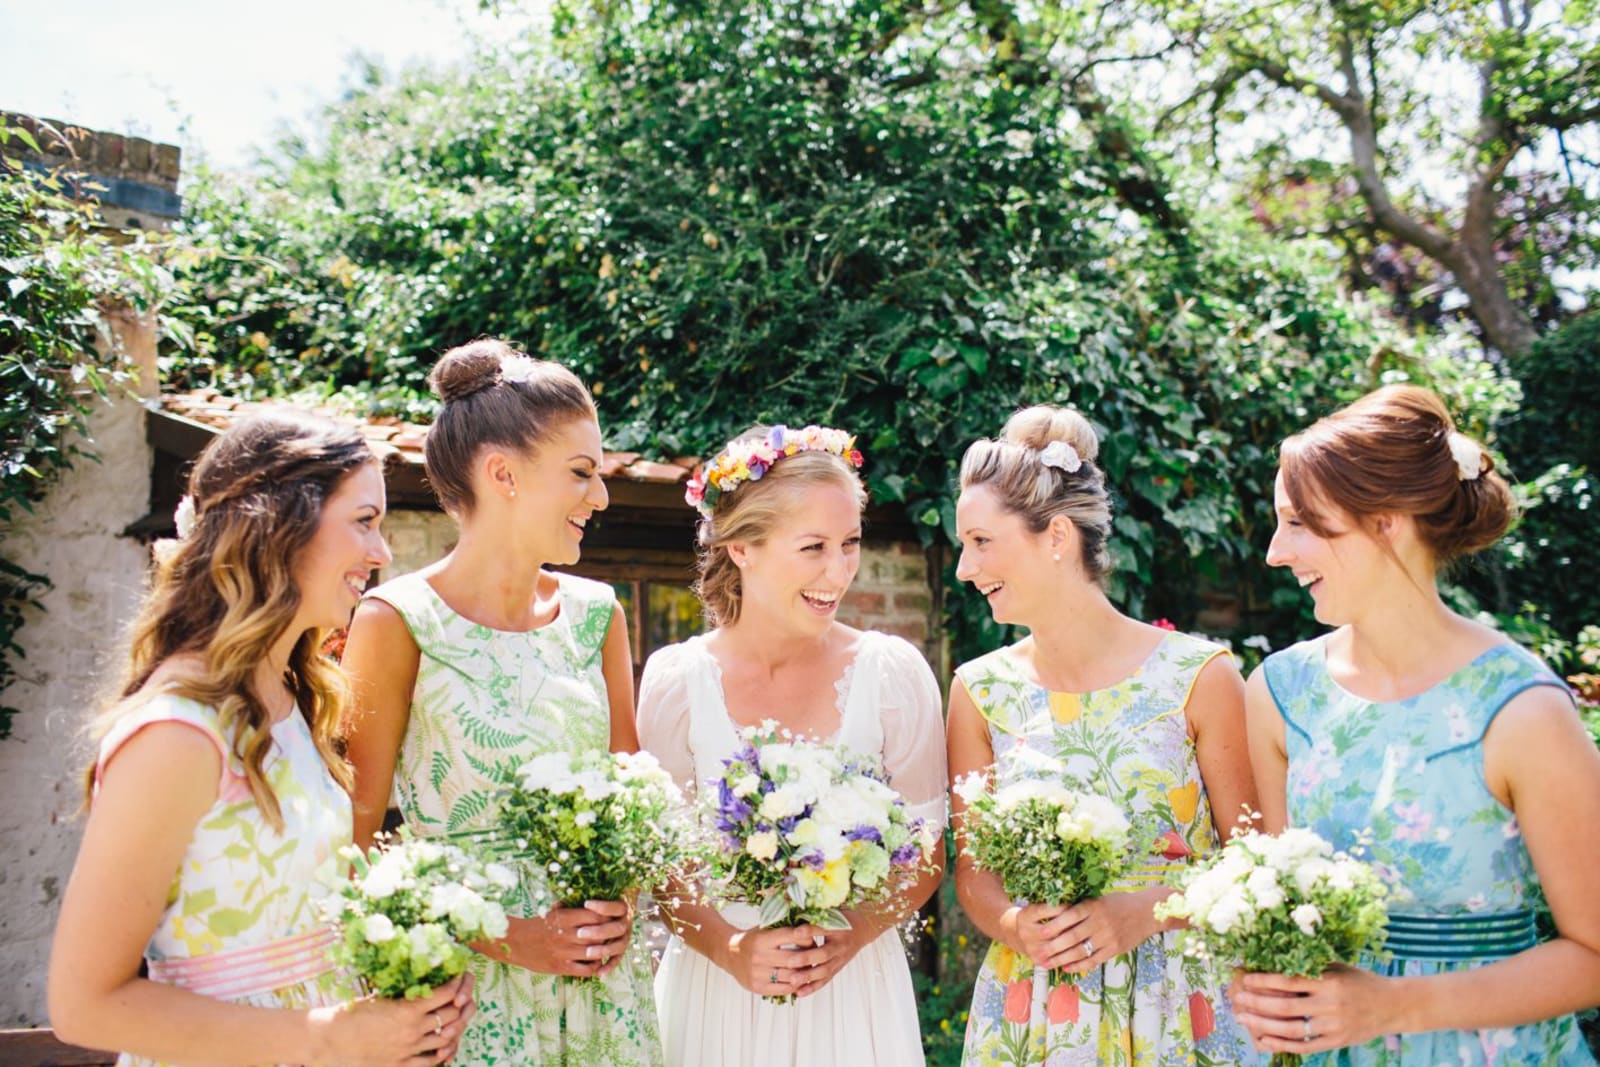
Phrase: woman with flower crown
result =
(780, 540)
(217, 797)
(1149, 718)
(469, 668)
(1452, 754)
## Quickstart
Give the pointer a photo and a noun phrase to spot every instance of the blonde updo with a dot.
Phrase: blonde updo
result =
(749, 514)
(1394, 452)
(1012, 468)
(493, 395)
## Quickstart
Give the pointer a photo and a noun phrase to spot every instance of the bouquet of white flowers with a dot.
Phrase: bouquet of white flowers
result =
(804, 830)
(1284, 903)
(405, 919)
(1045, 842)
(592, 826)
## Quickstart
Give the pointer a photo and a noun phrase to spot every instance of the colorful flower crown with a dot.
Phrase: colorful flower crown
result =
(747, 461)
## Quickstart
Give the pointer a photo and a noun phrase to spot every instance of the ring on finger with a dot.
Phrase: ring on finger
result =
(438, 1022)
(1309, 1035)
(1088, 947)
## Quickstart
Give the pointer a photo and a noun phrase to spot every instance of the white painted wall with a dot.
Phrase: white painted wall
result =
(73, 650)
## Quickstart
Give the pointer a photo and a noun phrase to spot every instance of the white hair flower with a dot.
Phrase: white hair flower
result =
(185, 517)
(1468, 455)
(1062, 456)
(518, 369)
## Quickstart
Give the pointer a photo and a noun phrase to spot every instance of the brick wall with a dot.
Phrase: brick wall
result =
(138, 178)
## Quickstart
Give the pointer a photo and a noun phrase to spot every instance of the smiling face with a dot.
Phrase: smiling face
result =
(332, 571)
(1003, 559)
(796, 577)
(1342, 570)
(559, 489)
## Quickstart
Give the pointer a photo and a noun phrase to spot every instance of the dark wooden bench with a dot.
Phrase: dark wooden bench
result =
(39, 1048)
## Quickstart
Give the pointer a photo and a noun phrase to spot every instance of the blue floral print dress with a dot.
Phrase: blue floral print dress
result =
(1409, 775)
(1152, 1007)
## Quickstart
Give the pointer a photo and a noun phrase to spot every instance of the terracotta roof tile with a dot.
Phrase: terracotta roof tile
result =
(401, 442)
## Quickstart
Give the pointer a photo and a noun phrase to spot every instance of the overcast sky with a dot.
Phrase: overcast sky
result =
(218, 77)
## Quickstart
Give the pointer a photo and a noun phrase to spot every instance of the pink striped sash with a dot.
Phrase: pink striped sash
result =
(236, 973)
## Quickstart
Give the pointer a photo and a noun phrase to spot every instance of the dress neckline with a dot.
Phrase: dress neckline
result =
(1015, 666)
(557, 620)
(842, 689)
(1338, 687)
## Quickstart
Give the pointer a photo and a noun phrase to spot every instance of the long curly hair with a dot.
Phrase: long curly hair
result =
(227, 593)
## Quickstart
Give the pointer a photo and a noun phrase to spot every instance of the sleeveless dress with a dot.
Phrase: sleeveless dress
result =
(867, 1015)
(1130, 742)
(240, 924)
(1410, 772)
(485, 702)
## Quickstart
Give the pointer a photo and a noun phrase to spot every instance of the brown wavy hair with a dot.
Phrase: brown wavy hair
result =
(227, 593)
(749, 514)
(1389, 454)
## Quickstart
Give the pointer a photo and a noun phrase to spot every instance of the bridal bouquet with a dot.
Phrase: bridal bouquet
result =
(1285, 903)
(405, 919)
(804, 831)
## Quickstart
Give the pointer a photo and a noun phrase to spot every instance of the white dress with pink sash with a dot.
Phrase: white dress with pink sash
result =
(240, 923)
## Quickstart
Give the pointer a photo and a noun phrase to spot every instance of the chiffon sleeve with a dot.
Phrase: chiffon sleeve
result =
(664, 714)
(913, 731)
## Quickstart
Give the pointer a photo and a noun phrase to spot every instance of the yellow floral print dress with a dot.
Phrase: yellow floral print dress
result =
(1151, 1007)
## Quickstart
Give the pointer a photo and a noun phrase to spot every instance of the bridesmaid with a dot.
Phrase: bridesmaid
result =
(778, 553)
(217, 799)
(1151, 719)
(470, 667)
(1459, 751)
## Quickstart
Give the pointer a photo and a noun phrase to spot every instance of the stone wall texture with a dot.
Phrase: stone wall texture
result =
(73, 649)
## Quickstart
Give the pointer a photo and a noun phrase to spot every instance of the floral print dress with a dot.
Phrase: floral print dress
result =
(1152, 1007)
(485, 702)
(240, 922)
(1406, 778)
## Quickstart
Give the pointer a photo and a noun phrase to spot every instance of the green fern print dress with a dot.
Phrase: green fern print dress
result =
(1152, 1007)
(485, 702)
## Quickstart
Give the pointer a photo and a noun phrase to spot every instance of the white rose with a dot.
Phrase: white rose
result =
(1229, 910)
(1306, 917)
(377, 929)
(745, 785)
(1263, 887)
(763, 846)
(385, 877)
(783, 802)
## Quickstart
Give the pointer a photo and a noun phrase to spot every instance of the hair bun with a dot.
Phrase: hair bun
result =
(1041, 424)
(469, 369)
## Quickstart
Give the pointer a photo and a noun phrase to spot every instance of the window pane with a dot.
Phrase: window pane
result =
(674, 614)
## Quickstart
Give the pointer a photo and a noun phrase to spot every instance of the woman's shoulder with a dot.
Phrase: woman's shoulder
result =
(583, 590)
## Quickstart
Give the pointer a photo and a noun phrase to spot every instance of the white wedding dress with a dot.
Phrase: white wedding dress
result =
(867, 1015)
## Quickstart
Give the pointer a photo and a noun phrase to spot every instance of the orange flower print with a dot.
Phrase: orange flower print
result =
(1019, 1002)
(1202, 1019)
(1062, 1006)
(1176, 847)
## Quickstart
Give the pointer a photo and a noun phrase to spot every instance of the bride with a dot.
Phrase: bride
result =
(780, 537)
